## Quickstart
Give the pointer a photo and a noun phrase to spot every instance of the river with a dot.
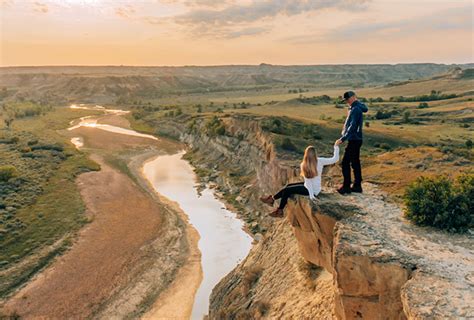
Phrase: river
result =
(223, 243)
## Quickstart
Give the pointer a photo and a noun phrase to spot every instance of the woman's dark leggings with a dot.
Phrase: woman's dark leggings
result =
(288, 190)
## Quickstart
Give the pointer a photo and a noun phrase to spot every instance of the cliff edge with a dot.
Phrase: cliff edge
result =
(382, 267)
(345, 257)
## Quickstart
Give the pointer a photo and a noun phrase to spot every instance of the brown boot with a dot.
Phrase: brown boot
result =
(278, 213)
(268, 200)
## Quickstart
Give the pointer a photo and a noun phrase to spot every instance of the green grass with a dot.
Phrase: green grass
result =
(52, 209)
(140, 125)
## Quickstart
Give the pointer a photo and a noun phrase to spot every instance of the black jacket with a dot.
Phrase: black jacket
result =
(353, 126)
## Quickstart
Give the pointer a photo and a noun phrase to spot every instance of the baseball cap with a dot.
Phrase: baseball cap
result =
(347, 95)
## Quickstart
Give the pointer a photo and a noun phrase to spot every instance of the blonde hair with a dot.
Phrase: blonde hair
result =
(309, 165)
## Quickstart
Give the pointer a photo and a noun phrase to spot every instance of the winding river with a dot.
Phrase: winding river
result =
(223, 243)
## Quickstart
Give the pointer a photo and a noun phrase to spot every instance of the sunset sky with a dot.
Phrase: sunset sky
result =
(207, 32)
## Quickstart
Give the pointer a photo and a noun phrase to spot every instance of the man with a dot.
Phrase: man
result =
(352, 132)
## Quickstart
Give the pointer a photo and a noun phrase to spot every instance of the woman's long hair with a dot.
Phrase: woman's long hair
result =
(309, 165)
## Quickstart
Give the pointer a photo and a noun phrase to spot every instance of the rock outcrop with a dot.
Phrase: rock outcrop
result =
(373, 263)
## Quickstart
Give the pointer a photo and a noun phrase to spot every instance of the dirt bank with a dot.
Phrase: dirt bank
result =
(176, 302)
(134, 248)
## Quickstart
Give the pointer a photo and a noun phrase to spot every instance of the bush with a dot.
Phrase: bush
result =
(316, 99)
(288, 145)
(382, 115)
(214, 126)
(469, 143)
(55, 147)
(406, 116)
(441, 203)
(32, 142)
(7, 172)
(423, 105)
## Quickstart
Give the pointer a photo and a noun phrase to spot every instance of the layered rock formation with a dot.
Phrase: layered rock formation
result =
(374, 264)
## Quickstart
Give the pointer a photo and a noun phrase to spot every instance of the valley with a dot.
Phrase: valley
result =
(84, 217)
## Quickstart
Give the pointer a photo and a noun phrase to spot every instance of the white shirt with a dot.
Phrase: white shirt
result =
(314, 184)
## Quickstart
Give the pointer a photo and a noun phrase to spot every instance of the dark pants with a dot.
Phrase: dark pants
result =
(351, 158)
(289, 190)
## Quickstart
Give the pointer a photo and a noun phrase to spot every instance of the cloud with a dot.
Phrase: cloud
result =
(125, 11)
(40, 7)
(246, 32)
(6, 3)
(230, 32)
(449, 19)
(258, 10)
(236, 19)
(200, 3)
(230, 19)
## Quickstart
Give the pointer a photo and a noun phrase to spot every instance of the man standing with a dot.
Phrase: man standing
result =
(352, 132)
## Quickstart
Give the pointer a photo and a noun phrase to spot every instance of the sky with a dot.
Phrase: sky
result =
(208, 32)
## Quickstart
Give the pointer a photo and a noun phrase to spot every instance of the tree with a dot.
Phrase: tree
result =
(406, 117)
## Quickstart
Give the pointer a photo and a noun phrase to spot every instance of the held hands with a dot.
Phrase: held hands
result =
(338, 142)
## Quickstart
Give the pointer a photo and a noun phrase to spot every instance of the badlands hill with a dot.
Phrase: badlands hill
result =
(106, 84)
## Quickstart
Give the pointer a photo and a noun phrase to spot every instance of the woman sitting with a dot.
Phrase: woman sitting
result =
(311, 170)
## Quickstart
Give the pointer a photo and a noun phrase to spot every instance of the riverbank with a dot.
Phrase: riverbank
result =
(129, 253)
(223, 242)
(176, 301)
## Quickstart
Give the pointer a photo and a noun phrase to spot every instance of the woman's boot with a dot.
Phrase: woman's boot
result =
(268, 200)
(278, 213)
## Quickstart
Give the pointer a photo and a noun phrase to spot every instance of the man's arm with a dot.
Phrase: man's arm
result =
(352, 124)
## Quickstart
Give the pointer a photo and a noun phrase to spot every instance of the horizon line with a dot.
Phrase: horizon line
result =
(231, 65)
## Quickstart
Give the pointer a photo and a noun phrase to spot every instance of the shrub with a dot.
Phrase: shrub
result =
(32, 142)
(288, 145)
(441, 203)
(214, 126)
(469, 143)
(7, 172)
(406, 116)
(423, 105)
(55, 147)
(315, 100)
(385, 146)
(382, 115)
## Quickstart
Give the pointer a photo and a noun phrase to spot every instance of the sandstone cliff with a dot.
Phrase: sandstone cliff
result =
(373, 263)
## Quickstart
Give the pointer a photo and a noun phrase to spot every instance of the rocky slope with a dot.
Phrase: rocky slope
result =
(372, 263)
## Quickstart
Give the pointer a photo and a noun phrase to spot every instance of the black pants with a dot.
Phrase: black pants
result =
(289, 190)
(352, 158)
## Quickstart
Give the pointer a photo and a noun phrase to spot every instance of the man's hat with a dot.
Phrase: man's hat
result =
(347, 95)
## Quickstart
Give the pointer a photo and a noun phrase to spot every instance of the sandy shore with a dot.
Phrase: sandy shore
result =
(138, 252)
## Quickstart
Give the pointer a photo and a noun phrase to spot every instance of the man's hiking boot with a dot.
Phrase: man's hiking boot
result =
(268, 200)
(356, 188)
(278, 213)
(344, 190)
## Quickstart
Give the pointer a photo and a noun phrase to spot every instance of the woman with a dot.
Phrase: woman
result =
(311, 170)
